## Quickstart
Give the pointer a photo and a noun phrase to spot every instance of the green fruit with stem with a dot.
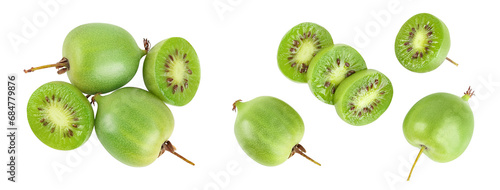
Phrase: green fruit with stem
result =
(172, 71)
(269, 130)
(134, 126)
(440, 125)
(422, 44)
(98, 57)
(60, 115)
(330, 67)
(299, 46)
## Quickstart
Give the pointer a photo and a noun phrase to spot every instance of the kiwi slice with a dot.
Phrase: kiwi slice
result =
(60, 115)
(422, 44)
(172, 71)
(363, 97)
(330, 67)
(297, 48)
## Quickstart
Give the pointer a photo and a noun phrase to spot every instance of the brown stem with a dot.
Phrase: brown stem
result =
(454, 63)
(62, 66)
(299, 149)
(167, 146)
(234, 104)
(414, 163)
(147, 44)
(92, 100)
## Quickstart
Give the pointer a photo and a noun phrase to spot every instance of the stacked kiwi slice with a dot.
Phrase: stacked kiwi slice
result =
(100, 58)
(336, 74)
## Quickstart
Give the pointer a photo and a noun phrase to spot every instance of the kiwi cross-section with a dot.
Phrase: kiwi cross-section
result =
(298, 47)
(363, 97)
(172, 71)
(330, 67)
(60, 115)
(422, 44)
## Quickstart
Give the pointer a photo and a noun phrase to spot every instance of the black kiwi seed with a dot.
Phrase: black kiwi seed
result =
(349, 73)
(327, 84)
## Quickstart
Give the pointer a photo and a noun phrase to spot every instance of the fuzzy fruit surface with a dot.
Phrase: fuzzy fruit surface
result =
(441, 122)
(267, 129)
(102, 57)
(132, 124)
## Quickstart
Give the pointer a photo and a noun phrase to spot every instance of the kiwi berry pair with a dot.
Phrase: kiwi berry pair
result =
(100, 58)
(336, 74)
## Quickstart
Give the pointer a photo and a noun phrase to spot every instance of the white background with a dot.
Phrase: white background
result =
(237, 41)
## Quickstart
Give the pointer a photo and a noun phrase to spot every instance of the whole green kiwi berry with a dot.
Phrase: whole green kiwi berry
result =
(268, 130)
(440, 125)
(134, 126)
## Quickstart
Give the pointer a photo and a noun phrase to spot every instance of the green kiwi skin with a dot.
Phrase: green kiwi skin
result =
(439, 49)
(348, 88)
(132, 124)
(79, 104)
(286, 42)
(327, 58)
(154, 72)
(102, 57)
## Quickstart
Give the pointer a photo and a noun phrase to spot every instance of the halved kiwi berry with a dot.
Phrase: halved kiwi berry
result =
(60, 115)
(363, 97)
(422, 44)
(299, 45)
(330, 67)
(172, 71)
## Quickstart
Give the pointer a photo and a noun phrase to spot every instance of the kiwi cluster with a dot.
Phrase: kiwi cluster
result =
(100, 58)
(336, 73)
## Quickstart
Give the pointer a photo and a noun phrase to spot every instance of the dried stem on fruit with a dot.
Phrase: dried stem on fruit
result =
(167, 146)
(62, 66)
(299, 149)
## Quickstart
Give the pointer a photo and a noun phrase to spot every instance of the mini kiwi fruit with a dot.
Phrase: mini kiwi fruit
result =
(60, 115)
(98, 57)
(134, 126)
(269, 130)
(423, 43)
(330, 67)
(363, 97)
(172, 71)
(298, 47)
